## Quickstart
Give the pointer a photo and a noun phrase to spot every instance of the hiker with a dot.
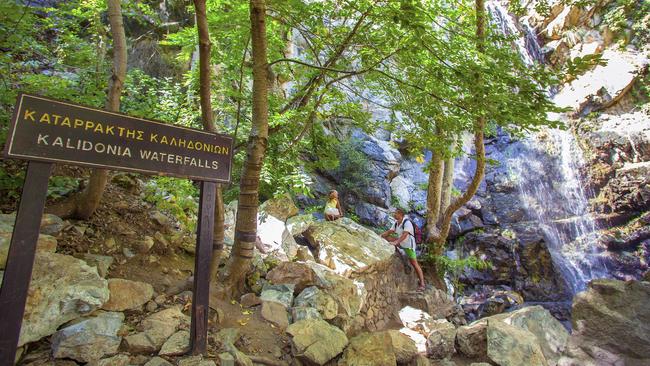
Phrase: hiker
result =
(333, 209)
(405, 241)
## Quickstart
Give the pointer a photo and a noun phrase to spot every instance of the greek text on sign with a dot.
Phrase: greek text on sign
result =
(61, 132)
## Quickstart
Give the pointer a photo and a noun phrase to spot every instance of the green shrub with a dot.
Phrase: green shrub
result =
(177, 196)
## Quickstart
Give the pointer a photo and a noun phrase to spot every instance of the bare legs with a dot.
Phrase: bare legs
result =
(418, 270)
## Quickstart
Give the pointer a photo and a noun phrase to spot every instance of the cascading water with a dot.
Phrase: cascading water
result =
(548, 182)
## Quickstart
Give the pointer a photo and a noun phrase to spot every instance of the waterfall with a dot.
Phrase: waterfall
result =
(546, 167)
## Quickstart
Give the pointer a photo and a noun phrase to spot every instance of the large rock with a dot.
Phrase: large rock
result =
(316, 341)
(471, 340)
(157, 328)
(442, 337)
(605, 84)
(276, 301)
(614, 317)
(45, 244)
(90, 339)
(550, 333)
(178, 344)
(370, 349)
(345, 246)
(299, 274)
(510, 346)
(282, 207)
(63, 288)
(127, 295)
(313, 297)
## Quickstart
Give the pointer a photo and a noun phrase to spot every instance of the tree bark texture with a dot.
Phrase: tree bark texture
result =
(246, 222)
(447, 185)
(207, 119)
(434, 190)
(83, 205)
(479, 147)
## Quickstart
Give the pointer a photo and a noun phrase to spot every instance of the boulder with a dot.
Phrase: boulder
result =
(403, 346)
(345, 246)
(117, 360)
(178, 344)
(157, 328)
(471, 340)
(90, 339)
(434, 302)
(127, 295)
(400, 192)
(157, 361)
(276, 301)
(63, 288)
(301, 313)
(195, 361)
(604, 85)
(102, 262)
(440, 343)
(509, 346)
(313, 297)
(298, 224)
(550, 333)
(614, 317)
(349, 295)
(296, 273)
(316, 341)
(369, 349)
(45, 244)
(281, 207)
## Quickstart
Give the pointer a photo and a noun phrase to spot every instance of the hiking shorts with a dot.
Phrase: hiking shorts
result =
(410, 253)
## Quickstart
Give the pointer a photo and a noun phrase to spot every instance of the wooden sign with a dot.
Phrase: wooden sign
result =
(45, 131)
(60, 132)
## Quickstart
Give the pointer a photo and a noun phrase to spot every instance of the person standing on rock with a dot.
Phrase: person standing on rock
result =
(405, 241)
(333, 207)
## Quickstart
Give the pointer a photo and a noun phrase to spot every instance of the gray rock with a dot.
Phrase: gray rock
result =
(157, 328)
(614, 317)
(102, 262)
(118, 360)
(275, 313)
(299, 274)
(313, 297)
(471, 340)
(440, 343)
(63, 288)
(45, 244)
(508, 345)
(90, 339)
(178, 344)
(281, 294)
(51, 224)
(226, 359)
(281, 207)
(302, 313)
(195, 361)
(316, 341)
(157, 361)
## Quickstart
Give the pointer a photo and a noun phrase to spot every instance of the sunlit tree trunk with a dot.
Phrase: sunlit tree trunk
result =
(246, 222)
(479, 147)
(83, 205)
(207, 118)
(434, 193)
(447, 185)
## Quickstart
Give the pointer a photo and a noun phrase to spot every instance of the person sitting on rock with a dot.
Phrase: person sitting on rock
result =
(332, 207)
(405, 241)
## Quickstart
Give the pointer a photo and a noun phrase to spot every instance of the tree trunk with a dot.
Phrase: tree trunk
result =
(83, 205)
(479, 147)
(246, 222)
(447, 185)
(434, 190)
(207, 119)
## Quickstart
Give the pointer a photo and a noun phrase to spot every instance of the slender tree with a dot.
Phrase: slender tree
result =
(246, 222)
(207, 119)
(83, 205)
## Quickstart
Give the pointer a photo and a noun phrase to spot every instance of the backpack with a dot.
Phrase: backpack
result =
(416, 228)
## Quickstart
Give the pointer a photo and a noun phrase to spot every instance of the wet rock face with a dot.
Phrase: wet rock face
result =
(524, 264)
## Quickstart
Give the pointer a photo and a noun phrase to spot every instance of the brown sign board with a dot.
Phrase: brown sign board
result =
(54, 131)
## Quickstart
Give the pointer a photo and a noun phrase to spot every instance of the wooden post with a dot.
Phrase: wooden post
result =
(201, 292)
(18, 270)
